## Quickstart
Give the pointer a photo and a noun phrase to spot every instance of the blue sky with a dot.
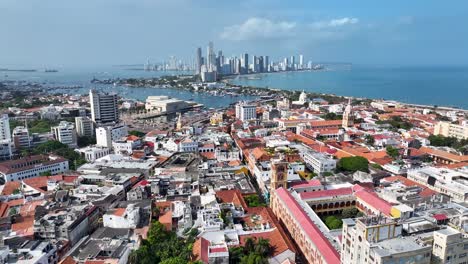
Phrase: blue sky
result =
(106, 32)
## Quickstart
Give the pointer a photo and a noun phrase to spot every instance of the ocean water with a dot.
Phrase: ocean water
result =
(443, 86)
(83, 76)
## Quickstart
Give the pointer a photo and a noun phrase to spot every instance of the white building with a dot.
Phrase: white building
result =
(107, 134)
(21, 138)
(446, 181)
(32, 166)
(165, 104)
(318, 162)
(104, 107)
(84, 126)
(380, 242)
(246, 111)
(122, 217)
(188, 145)
(5, 127)
(93, 153)
(122, 147)
(65, 133)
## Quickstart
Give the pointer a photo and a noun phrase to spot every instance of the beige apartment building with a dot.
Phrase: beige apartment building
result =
(448, 129)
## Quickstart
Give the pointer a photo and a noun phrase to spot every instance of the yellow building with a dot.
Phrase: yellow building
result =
(448, 129)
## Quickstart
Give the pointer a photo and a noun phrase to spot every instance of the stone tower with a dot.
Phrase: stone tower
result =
(279, 174)
(348, 117)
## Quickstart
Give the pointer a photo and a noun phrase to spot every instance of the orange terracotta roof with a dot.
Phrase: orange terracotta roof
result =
(4, 209)
(24, 227)
(119, 211)
(68, 260)
(10, 187)
(232, 196)
(444, 154)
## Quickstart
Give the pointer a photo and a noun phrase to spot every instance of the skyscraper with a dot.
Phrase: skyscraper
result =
(104, 107)
(261, 66)
(301, 61)
(199, 61)
(266, 63)
(245, 63)
(293, 62)
(211, 63)
(5, 133)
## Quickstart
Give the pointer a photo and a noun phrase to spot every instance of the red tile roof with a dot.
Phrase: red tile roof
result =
(232, 196)
(305, 184)
(324, 247)
(327, 193)
(373, 200)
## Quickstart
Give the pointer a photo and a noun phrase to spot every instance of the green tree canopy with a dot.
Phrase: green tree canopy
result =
(353, 164)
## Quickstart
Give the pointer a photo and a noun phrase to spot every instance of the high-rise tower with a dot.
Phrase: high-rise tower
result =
(199, 61)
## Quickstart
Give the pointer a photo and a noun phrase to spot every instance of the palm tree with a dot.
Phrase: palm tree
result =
(263, 247)
(249, 245)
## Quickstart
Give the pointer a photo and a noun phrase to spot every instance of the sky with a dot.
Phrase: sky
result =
(107, 32)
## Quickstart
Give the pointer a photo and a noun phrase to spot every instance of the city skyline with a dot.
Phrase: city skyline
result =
(56, 33)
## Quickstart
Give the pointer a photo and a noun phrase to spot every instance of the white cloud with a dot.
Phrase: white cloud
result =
(334, 23)
(255, 28)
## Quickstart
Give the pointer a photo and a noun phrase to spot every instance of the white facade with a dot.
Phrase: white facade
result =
(188, 145)
(65, 133)
(33, 166)
(245, 111)
(319, 162)
(122, 147)
(165, 104)
(84, 126)
(122, 217)
(446, 181)
(108, 134)
(5, 127)
(104, 107)
(93, 153)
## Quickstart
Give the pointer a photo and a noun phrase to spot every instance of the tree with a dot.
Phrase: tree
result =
(46, 173)
(392, 152)
(370, 140)
(333, 222)
(136, 133)
(162, 246)
(349, 212)
(353, 164)
(85, 141)
(254, 200)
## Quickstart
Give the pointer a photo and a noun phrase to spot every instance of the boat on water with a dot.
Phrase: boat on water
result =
(50, 70)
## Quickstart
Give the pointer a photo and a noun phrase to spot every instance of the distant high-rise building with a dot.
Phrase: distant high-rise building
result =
(211, 63)
(220, 60)
(254, 64)
(301, 61)
(104, 107)
(5, 133)
(245, 63)
(261, 66)
(198, 61)
(293, 62)
(266, 64)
